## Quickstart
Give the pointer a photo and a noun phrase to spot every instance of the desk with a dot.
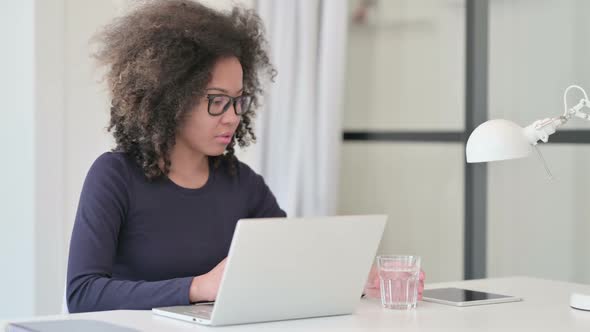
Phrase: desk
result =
(545, 308)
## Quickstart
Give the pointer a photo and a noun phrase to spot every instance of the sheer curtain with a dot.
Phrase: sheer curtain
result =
(299, 129)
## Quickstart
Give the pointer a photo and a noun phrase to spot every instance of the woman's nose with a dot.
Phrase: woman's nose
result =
(230, 116)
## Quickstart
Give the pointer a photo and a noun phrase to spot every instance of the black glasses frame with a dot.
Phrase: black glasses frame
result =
(232, 101)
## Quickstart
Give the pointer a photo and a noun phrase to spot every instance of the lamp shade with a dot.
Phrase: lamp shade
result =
(497, 140)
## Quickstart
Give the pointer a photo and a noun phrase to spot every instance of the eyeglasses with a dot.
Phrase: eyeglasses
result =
(219, 104)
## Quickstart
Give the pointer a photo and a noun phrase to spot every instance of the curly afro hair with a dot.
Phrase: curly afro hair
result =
(159, 59)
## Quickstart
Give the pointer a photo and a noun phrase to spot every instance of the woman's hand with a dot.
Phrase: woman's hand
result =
(206, 286)
(372, 288)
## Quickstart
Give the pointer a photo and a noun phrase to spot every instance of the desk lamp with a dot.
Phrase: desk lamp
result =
(502, 140)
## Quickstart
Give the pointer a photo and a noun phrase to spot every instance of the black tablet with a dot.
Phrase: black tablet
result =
(464, 297)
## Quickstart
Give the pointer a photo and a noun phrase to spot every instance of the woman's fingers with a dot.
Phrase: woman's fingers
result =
(372, 293)
(421, 284)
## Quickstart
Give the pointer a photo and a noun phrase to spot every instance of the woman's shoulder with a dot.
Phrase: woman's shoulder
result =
(245, 172)
(245, 169)
(112, 164)
(113, 160)
(249, 177)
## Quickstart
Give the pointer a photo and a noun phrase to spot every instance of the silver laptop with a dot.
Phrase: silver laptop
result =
(290, 268)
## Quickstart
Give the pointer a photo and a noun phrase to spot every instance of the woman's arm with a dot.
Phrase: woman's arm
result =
(102, 211)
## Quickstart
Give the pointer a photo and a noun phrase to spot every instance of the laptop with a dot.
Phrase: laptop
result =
(290, 268)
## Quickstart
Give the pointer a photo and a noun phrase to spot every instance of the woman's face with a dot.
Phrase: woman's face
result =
(208, 134)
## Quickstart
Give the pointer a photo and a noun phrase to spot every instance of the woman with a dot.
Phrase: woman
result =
(156, 215)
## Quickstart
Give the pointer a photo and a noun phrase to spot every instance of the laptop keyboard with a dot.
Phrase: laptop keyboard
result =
(201, 311)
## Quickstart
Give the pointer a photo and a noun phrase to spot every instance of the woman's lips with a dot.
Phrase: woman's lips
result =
(223, 139)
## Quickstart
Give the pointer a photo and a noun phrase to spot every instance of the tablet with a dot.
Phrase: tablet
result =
(464, 297)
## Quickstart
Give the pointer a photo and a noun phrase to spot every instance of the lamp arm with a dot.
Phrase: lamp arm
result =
(541, 129)
(576, 110)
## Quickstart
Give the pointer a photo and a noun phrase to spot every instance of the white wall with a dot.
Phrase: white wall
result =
(406, 69)
(420, 187)
(17, 250)
(49, 154)
(406, 72)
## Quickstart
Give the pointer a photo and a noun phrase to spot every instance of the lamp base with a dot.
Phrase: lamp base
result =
(580, 301)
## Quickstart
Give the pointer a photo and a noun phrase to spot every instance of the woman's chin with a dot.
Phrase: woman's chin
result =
(216, 152)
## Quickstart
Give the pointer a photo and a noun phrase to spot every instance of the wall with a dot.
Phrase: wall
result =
(405, 72)
(49, 154)
(17, 223)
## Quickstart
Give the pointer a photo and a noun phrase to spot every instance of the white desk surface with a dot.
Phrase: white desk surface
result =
(545, 308)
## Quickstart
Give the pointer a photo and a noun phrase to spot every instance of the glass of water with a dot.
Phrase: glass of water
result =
(399, 278)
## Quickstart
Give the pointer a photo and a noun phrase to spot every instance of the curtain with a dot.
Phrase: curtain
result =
(299, 127)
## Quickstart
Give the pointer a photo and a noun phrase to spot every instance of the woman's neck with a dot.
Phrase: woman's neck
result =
(188, 169)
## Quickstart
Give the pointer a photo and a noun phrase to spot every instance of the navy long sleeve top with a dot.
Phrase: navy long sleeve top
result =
(138, 244)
